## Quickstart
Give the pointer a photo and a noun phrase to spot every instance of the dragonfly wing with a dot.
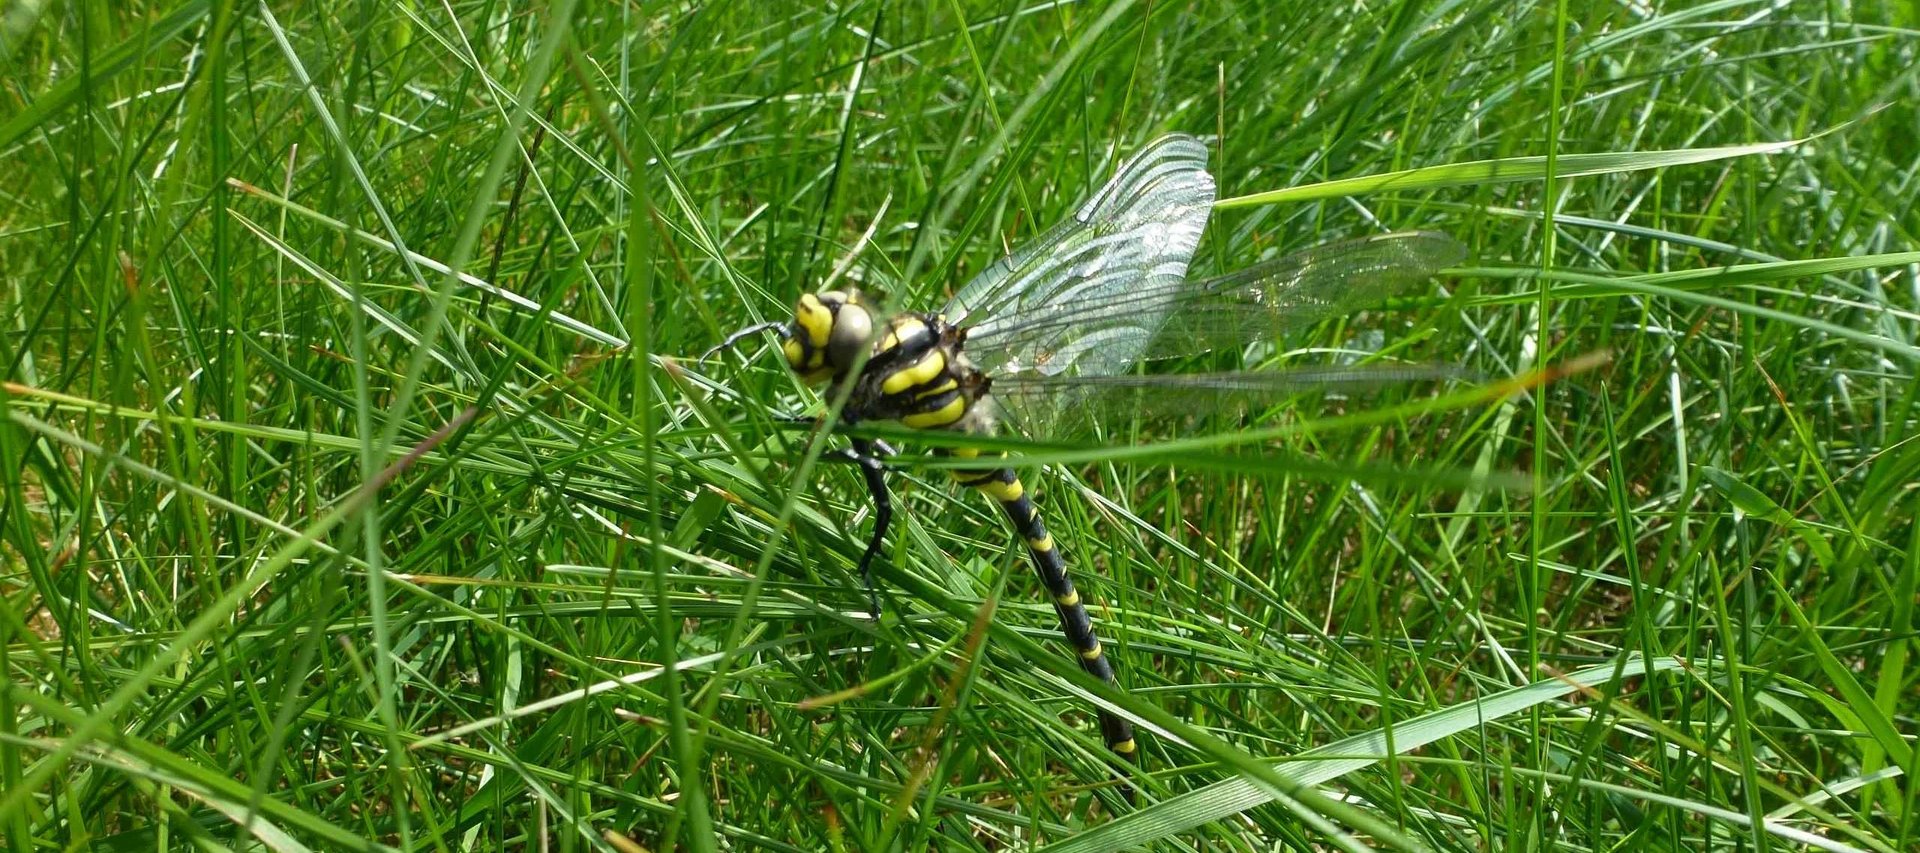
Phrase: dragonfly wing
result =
(1055, 405)
(1269, 298)
(1258, 303)
(1135, 236)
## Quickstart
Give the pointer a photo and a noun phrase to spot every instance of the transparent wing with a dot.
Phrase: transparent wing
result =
(1057, 405)
(1257, 303)
(1254, 304)
(1272, 297)
(1131, 242)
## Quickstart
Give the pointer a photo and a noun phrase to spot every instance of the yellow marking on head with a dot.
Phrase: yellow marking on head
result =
(1044, 543)
(940, 417)
(1003, 492)
(965, 452)
(1124, 747)
(1091, 654)
(794, 351)
(813, 318)
(925, 370)
(1068, 600)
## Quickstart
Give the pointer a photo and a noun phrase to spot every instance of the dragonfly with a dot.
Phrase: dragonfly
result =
(1071, 319)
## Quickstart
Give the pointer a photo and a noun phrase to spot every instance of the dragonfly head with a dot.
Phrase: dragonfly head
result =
(828, 331)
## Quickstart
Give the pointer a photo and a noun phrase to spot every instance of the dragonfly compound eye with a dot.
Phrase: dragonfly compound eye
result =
(852, 329)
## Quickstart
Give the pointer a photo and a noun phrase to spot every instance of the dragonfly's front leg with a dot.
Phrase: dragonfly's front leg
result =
(874, 472)
(805, 422)
(868, 453)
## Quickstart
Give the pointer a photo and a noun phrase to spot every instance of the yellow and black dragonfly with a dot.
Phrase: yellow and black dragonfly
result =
(1068, 321)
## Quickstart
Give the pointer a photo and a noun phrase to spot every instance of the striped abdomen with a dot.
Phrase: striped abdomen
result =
(1005, 488)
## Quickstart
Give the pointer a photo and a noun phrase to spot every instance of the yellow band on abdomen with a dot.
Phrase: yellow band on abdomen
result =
(1002, 491)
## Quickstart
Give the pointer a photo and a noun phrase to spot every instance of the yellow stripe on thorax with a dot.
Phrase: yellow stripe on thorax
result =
(902, 327)
(949, 385)
(925, 370)
(943, 416)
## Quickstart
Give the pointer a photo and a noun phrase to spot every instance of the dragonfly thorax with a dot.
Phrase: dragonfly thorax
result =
(916, 371)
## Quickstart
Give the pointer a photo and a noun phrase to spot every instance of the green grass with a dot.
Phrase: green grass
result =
(307, 544)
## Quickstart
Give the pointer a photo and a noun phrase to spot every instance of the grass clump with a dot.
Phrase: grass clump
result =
(352, 499)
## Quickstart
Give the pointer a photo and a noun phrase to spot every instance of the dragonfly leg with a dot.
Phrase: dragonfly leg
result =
(875, 447)
(877, 451)
(866, 454)
(741, 335)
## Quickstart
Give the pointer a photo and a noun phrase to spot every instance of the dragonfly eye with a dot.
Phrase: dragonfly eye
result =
(852, 329)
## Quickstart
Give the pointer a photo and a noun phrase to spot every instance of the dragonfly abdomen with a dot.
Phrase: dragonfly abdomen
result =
(1004, 486)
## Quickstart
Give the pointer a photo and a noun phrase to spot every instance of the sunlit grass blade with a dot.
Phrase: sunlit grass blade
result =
(257, 259)
(1230, 797)
(1505, 170)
